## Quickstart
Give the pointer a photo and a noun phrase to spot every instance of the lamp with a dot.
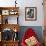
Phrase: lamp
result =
(15, 3)
(15, 37)
(15, 30)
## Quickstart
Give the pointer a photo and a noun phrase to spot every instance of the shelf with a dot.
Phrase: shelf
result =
(11, 41)
(7, 26)
(5, 12)
(10, 26)
(9, 8)
(9, 11)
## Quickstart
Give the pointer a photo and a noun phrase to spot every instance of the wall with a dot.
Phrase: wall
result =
(36, 29)
(37, 25)
(32, 3)
(26, 3)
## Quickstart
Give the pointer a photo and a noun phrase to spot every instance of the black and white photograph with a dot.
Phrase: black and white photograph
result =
(31, 13)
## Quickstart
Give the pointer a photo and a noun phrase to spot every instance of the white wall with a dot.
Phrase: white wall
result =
(26, 3)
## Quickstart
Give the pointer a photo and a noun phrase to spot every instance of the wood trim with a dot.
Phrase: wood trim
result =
(10, 8)
(44, 4)
(1, 8)
(12, 43)
(11, 26)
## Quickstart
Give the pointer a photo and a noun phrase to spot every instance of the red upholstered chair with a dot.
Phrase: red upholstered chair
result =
(28, 35)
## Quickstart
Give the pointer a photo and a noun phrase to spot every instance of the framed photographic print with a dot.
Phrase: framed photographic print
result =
(30, 13)
(5, 12)
(13, 12)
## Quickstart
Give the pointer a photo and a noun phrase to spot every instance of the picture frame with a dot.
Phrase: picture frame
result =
(5, 12)
(30, 13)
(13, 12)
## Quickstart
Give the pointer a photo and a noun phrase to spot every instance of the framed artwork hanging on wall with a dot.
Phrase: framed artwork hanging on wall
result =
(30, 13)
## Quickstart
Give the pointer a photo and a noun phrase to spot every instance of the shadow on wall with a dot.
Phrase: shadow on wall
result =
(37, 29)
